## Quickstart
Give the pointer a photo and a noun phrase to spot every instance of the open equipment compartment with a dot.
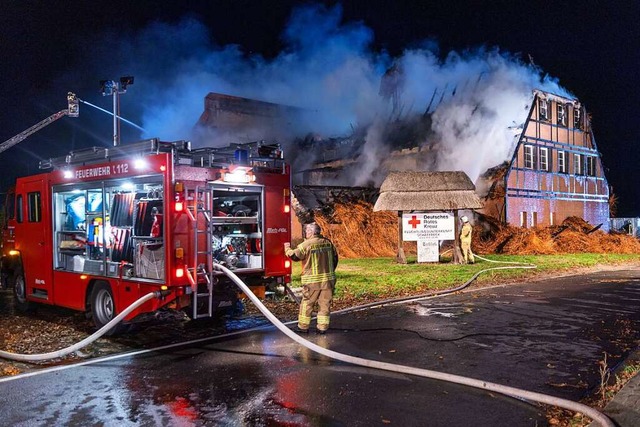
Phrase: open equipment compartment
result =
(236, 225)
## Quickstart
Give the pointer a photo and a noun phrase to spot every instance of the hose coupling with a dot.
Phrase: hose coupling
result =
(162, 294)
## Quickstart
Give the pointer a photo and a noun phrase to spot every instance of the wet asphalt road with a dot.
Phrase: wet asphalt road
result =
(545, 336)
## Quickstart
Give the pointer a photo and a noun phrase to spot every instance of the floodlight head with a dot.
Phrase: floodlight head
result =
(107, 86)
(126, 81)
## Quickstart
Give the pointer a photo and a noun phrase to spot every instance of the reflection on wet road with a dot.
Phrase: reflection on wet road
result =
(545, 337)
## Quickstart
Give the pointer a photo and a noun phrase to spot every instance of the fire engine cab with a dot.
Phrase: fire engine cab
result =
(105, 226)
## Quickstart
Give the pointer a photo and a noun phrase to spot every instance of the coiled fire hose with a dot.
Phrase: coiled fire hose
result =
(595, 415)
(85, 342)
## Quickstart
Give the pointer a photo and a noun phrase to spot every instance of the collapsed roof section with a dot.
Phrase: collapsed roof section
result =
(249, 119)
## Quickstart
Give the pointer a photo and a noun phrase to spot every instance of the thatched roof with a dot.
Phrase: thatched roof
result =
(426, 181)
(427, 191)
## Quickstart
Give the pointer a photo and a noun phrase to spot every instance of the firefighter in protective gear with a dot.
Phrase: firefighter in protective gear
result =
(465, 240)
(319, 261)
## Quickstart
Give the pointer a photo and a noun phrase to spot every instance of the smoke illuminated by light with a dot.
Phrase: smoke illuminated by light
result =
(471, 102)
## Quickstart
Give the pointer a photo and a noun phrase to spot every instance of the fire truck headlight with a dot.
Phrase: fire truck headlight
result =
(287, 264)
(14, 252)
(287, 209)
(67, 174)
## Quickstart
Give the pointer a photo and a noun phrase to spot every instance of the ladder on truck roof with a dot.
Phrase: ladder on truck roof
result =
(103, 154)
(199, 206)
(266, 157)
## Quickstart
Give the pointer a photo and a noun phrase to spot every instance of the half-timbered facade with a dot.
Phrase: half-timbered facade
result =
(555, 172)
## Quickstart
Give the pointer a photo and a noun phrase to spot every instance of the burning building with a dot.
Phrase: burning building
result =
(551, 170)
(555, 171)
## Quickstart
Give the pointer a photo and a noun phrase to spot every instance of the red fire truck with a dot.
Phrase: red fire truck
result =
(106, 226)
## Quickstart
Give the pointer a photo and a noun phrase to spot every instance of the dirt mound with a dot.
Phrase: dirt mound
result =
(358, 232)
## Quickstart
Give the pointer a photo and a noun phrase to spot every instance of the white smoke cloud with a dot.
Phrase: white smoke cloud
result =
(329, 69)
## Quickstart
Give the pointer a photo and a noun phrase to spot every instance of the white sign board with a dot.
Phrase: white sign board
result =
(428, 251)
(427, 226)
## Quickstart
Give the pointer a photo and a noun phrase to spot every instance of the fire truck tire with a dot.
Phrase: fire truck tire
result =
(20, 293)
(103, 308)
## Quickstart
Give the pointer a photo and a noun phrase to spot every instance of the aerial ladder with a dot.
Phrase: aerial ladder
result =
(73, 110)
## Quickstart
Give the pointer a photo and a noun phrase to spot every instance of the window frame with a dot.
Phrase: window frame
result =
(543, 109)
(590, 166)
(562, 161)
(577, 118)
(543, 165)
(529, 157)
(561, 114)
(34, 206)
(578, 166)
(19, 209)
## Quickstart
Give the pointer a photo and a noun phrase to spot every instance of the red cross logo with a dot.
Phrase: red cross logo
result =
(414, 221)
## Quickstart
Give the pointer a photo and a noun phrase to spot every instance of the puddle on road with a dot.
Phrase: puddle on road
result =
(445, 310)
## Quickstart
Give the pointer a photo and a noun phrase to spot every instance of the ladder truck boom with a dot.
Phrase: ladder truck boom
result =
(71, 111)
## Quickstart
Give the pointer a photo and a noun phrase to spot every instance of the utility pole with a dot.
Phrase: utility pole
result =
(114, 88)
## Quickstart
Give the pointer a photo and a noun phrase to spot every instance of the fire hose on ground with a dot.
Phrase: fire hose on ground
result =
(85, 342)
(595, 415)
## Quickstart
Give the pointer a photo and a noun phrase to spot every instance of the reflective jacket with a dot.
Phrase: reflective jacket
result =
(319, 261)
(465, 233)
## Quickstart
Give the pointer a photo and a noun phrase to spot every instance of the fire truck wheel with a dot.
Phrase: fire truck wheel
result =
(103, 308)
(20, 293)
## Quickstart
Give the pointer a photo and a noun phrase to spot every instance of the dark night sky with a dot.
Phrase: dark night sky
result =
(592, 47)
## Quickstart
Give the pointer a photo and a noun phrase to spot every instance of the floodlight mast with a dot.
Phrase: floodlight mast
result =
(114, 88)
(73, 110)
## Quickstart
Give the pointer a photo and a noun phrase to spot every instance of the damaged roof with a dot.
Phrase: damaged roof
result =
(427, 191)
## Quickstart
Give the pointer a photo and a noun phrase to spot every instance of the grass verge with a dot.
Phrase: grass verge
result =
(374, 278)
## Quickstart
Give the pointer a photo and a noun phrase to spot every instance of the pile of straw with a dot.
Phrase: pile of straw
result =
(358, 232)
(575, 235)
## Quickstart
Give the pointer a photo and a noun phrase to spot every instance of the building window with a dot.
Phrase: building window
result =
(530, 158)
(562, 161)
(544, 159)
(590, 166)
(577, 118)
(577, 164)
(562, 114)
(523, 219)
(552, 218)
(543, 109)
(34, 207)
(534, 219)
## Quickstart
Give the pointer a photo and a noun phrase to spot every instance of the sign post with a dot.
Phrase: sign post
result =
(427, 229)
